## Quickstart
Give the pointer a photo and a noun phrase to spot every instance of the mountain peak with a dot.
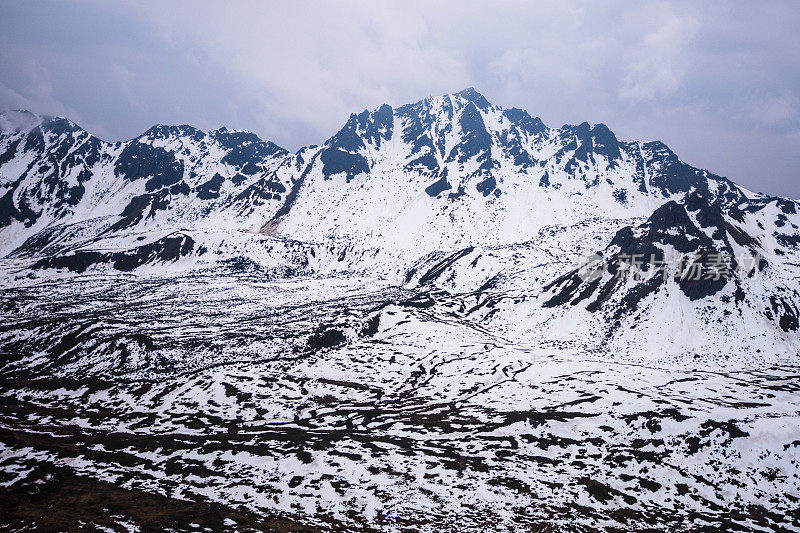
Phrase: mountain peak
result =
(165, 132)
(471, 95)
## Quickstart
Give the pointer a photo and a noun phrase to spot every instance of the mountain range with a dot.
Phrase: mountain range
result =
(449, 316)
(395, 189)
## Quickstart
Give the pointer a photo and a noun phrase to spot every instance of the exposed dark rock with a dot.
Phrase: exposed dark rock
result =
(166, 249)
(438, 187)
(139, 160)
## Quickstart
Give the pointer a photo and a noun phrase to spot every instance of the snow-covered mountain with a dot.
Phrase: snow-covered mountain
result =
(445, 309)
(394, 190)
(455, 170)
(445, 172)
(62, 184)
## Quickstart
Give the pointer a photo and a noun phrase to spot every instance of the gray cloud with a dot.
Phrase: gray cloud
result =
(719, 81)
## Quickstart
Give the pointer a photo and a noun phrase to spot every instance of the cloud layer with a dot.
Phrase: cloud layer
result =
(718, 82)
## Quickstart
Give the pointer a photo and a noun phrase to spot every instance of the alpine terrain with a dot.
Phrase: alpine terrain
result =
(447, 317)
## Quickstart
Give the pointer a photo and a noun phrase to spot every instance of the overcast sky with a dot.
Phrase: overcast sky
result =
(717, 81)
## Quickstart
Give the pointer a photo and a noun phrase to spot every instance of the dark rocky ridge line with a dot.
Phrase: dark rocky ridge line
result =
(164, 250)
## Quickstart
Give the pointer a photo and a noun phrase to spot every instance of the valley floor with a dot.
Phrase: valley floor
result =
(230, 402)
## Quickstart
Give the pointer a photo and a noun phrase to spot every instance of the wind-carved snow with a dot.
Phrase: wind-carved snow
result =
(390, 331)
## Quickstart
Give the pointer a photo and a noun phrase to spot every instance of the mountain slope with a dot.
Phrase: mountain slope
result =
(709, 282)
